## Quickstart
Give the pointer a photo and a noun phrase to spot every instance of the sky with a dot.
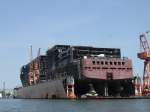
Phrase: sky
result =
(44, 23)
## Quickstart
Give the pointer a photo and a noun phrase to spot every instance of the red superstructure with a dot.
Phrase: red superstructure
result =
(105, 68)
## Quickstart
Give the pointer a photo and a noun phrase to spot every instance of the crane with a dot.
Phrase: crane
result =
(145, 55)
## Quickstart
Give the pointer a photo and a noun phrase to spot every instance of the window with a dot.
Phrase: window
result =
(104, 68)
(94, 67)
(102, 62)
(106, 63)
(93, 62)
(98, 62)
(123, 63)
(115, 63)
(112, 68)
(110, 63)
(86, 67)
(119, 63)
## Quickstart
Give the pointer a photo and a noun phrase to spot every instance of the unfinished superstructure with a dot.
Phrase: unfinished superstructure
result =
(83, 71)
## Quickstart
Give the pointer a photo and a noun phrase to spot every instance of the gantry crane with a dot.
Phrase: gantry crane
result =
(145, 55)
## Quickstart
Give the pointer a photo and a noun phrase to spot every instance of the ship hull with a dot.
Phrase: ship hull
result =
(55, 89)
(50, 89)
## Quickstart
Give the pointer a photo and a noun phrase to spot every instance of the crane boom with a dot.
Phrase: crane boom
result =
(144, 43)
(145, 55)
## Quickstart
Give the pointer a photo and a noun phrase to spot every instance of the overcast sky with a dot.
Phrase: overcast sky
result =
(44, 23)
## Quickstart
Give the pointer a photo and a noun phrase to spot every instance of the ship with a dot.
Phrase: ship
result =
(67, 71)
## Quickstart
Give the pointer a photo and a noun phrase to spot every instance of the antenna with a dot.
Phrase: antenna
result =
(38, 57)
(38, 54)
(4, 90)
(31, 56)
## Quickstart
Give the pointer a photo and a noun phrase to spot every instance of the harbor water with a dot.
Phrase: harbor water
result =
(24, 105)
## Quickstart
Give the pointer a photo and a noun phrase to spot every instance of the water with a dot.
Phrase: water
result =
(19, 105)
